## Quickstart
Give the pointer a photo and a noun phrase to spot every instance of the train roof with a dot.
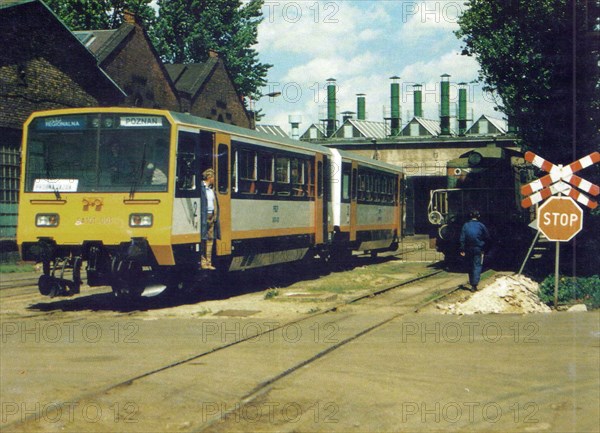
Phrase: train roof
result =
(213, 125)
(368, 161)
(245, 132)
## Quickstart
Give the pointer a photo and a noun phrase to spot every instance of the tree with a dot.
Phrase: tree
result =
(537, 56)
(186, 30)
(100, 14)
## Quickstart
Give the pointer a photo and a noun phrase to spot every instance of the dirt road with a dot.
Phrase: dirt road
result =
(290, 363)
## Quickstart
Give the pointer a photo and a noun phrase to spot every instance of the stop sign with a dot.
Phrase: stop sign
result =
(559, 219)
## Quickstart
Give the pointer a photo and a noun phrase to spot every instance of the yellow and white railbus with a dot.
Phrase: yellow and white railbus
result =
(118, 189)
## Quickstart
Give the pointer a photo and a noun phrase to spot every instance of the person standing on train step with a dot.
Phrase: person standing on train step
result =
(474, 238)
(209, 219)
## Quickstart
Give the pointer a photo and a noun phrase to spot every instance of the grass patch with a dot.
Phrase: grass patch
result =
(12, 268)
(271, 293)
(572, 290)
(433, 295)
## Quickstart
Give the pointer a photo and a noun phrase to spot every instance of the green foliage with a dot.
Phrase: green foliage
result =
(100, 14)
(536, 55)
(572, 290)
(186, 30)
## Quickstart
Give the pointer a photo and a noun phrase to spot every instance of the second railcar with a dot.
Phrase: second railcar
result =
(488, 180)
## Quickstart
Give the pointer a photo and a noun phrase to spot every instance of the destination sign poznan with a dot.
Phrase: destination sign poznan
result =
(141, 121)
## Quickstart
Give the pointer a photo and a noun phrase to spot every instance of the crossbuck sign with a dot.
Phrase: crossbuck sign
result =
(559, 218)
(560, 181)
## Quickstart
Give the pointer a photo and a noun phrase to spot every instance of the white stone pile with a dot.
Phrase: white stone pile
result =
(514, 294)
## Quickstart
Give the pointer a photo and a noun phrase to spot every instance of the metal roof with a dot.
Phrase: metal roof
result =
(431, 126)
(272, 129)
(366, 128)
(499, 124)
(319, 128)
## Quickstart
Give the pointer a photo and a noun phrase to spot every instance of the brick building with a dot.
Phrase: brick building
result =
(42, 66)
(206, 90)
(128, 57)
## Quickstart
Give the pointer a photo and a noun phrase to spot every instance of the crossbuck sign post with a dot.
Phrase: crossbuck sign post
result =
(560, 218)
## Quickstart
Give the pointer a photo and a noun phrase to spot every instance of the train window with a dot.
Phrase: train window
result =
(282, 169)
(223, 168)
(297, 176)
(346, 172)
(265, 167)
(369, 187)
(245, 171)
(362, 187)
(266, 170)
(310, 179)
(247, 164)
(354, 183)
(186, 162)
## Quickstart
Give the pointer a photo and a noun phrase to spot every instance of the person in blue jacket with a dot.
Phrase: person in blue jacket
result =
(210, 228)
(474, 239)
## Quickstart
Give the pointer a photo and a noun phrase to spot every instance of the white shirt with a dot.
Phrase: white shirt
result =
(210, 198)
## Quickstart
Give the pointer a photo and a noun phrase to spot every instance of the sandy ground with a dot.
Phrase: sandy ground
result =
(428, 371)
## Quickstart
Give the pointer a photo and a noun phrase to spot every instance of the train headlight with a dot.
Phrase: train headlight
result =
(475, 158)
(435, 218)
(140, 220)
(46, 220)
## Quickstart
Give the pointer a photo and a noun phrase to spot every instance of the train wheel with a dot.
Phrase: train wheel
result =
(127, 279)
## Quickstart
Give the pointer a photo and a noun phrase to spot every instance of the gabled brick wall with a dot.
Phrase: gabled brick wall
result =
(218, 100)
(135, 66)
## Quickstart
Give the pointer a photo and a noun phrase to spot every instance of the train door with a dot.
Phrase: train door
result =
(353, 202)
(399, 202)
(185, 227)
(222, 166)
(320, 203)
(326, 196)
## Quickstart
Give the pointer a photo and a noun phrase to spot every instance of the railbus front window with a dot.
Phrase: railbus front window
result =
(97, 152)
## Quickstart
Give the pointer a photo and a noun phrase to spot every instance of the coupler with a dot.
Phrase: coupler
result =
(51, 285)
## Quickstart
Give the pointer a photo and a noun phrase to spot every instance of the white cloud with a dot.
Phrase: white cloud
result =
(362, 44)
(322, 28)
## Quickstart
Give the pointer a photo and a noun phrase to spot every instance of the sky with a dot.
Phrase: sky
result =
(362, 43)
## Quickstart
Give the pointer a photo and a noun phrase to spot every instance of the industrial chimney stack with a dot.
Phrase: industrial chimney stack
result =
(295, 121)
(445, 108)
(360, 106)
(418, 100)
(331, 107)
(462, 108)
(395, 104)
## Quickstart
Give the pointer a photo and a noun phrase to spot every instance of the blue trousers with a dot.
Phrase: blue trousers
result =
(475, 262)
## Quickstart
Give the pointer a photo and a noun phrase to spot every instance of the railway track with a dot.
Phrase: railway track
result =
(133, 388)
(17, 283)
